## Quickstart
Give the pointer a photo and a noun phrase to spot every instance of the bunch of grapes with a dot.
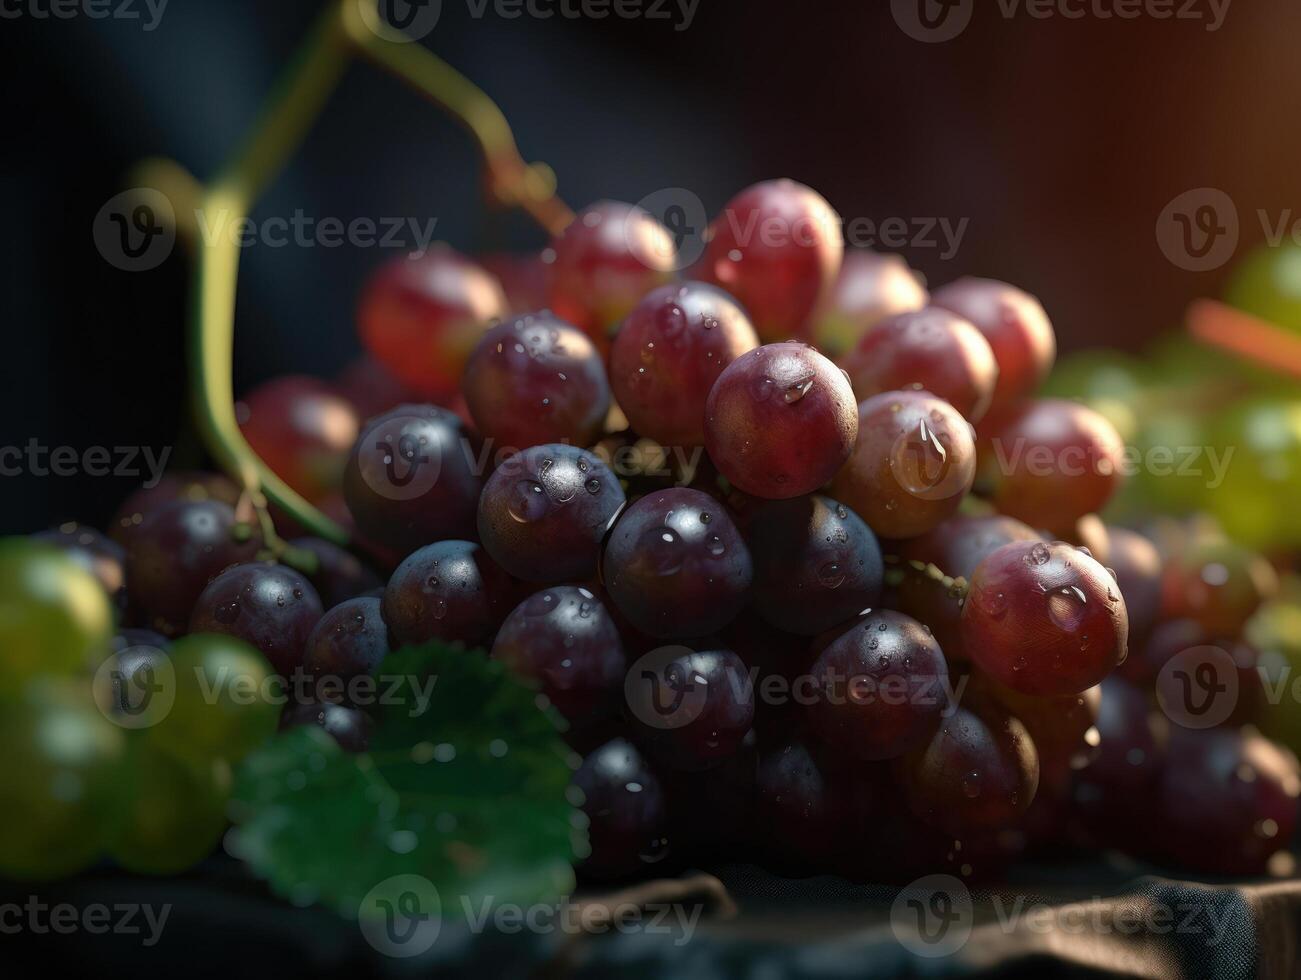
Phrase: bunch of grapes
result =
(853, 615)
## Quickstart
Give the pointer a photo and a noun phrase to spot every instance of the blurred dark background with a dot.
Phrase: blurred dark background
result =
(1060, 140)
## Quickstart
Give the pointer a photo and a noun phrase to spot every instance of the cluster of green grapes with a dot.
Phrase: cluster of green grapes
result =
(111, 746)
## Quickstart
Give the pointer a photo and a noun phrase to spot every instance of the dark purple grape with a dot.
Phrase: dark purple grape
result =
(173, 487)
(692, 708)
(780, 421)
(545, 511)
(711, 811)
(979, 771)
(1064, 729)
(451, 591)
(1137, 565)
(270, 607)
(625, 807)
(340, 575)
(1220, 584)
(351, 640)
(1044, 619)
(564, 640)
(800, 807)
(173, 554)
(536, 380)
(1112, 791)
(1227, 800)
(816, 564)
(676, 565)
(350, 727)
(413, 478)
(101, 556)
(882, 686)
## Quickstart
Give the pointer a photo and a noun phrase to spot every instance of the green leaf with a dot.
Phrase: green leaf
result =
(471, 793)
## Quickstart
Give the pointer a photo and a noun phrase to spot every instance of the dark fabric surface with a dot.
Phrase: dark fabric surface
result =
(1085, 920)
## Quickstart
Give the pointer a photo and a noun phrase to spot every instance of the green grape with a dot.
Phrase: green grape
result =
(227, 700)
(174, 810)
(60, 763)
(1267, 284)
(1257, 502)
(1109, 382)
(54, 616)
(1170, 446)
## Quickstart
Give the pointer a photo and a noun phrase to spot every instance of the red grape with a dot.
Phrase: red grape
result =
(882, 687)
(349, 641)
(1016, 326)
(668, 354)
(1228, 800)
(1137, 565)
(421, 317)
(931, 350)
(1054, 461)
(350, 727)
(713, 716)
(545, 511)
(979, 771)
(912, 465)
(523, 277)
(1044, 619)
(270, 607)
(608, 258)
(173, 553)
(776, 247)
(371, 388)
(816, 564)
(536, 380)
(339, 575)
(451, 591)
(302, 430)
(869, 288)
(624, 803)
(1219, 584)
(564, 639)
(676, 566)
(172, 487)
(1063, 729)
(413, 478)
(780, 421)
(955, 547)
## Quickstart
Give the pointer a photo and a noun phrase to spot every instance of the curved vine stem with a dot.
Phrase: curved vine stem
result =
(347, 27)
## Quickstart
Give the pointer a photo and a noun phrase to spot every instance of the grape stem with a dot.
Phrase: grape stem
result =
(347, 28)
